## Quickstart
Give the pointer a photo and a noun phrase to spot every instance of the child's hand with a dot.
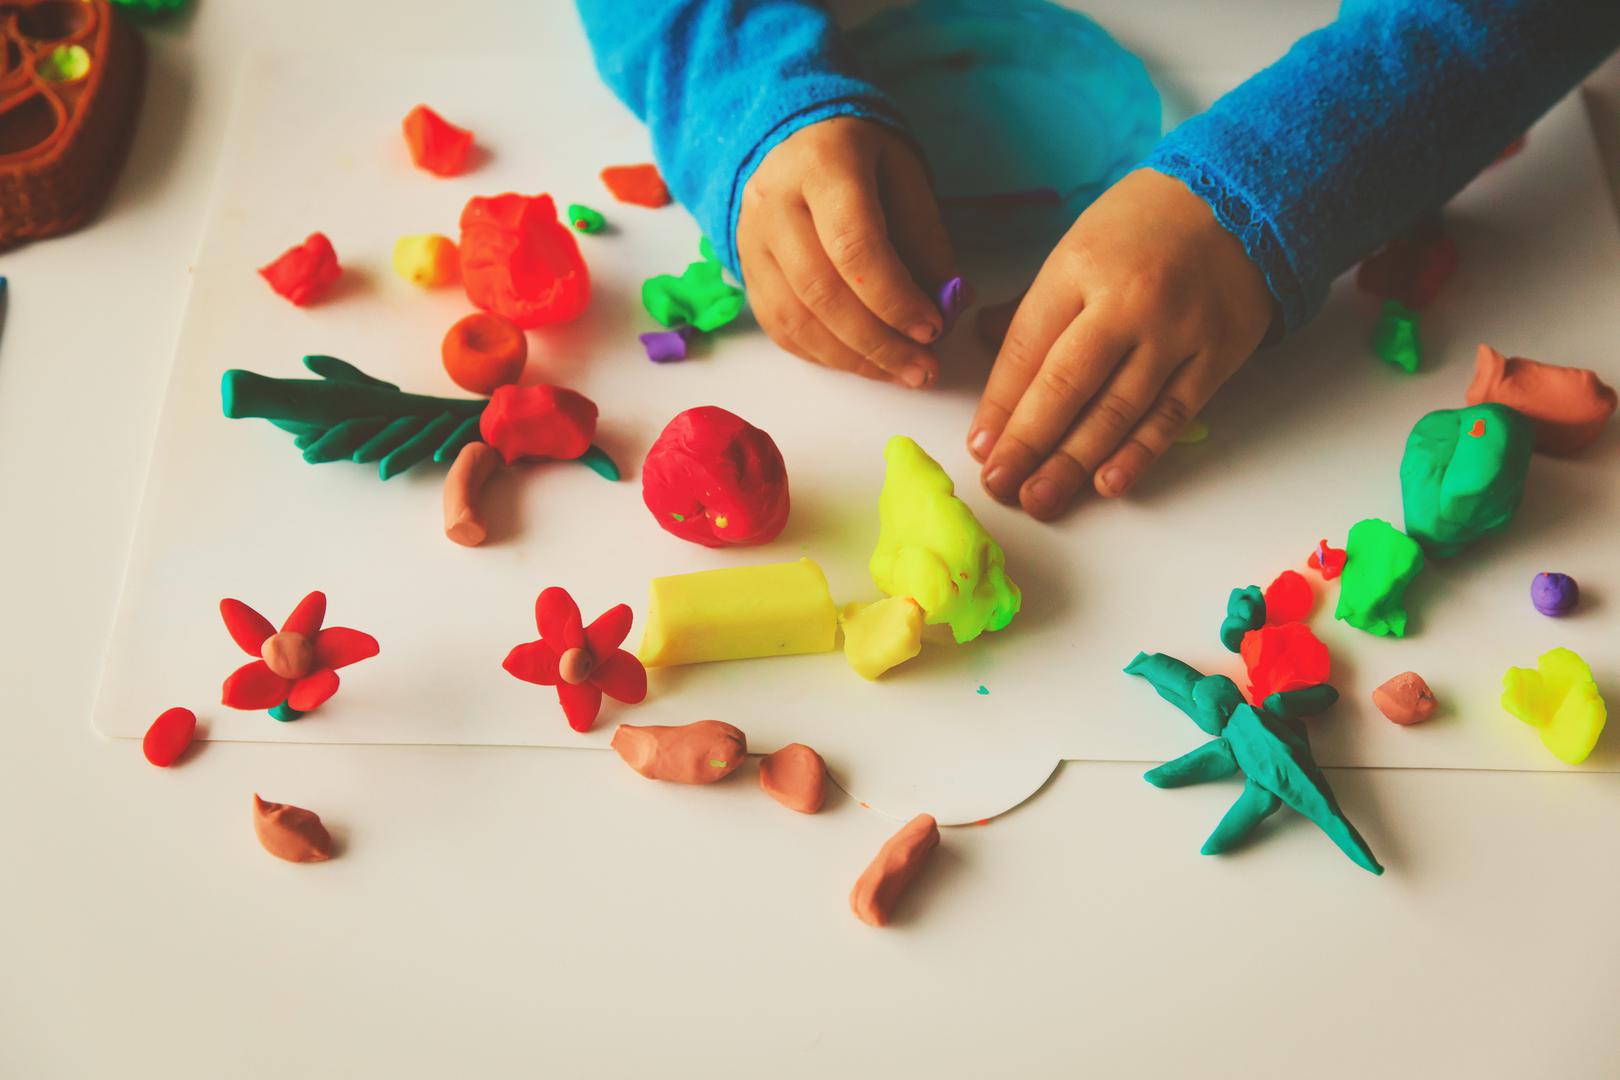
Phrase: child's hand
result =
(1140, 313)
(838, 225)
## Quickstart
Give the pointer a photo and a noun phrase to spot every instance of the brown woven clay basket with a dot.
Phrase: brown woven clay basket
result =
(70, 80)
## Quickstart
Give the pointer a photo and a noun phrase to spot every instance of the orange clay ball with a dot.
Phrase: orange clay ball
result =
(483, 352)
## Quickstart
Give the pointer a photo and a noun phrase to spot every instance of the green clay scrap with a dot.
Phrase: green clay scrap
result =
(1395, 339)
(1245, 611)
(584, 219)
(1269, 748)
(699, 298)
(64, 64)
(932, 549)
(1380, 561)
(1462, 476)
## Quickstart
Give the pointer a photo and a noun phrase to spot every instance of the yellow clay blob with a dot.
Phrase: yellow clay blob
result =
(741, 612)
(427, 260)
(883, 635)
(1558, 698)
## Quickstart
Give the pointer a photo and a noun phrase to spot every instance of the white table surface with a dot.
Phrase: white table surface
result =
(510, 912)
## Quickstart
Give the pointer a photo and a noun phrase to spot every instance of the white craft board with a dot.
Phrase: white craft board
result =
(1306, 440)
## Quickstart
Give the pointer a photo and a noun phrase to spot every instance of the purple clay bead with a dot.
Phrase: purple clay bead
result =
(952, 297)
(1554, 594)
(666, 346)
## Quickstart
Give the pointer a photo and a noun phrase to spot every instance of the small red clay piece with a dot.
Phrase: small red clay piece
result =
(1405, 699)
(296, 669)
(637, 184)
(1566, 406)
(715, 479)
(992, 322)
(1289, 598)
(582, 662)
(898, 862)
(1327, 561)
(484, 351)
(169, 736)
(1411, 268)
(520, 262)
(303, 274)
(1282, 658)
(794, 776)
(291, 832)
(463, 484)
(538, 422)
(436, 144)
(696, 753)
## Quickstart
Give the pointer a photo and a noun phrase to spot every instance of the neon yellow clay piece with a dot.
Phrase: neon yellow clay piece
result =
(1560, 700)
(932, 549)
(883, 635)
(740, 612)
(426, 260)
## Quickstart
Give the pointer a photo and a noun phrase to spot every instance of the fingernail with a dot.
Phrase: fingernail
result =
(980, 443)
(1041, 495)
(1114, 480)
(915, 377)
(923, 333)
(997, 482)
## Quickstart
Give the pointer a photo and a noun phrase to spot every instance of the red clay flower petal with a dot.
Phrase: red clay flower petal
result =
(169, 736)
(609, 630)
(435, 143)
(533, 662)
(339, 646)
(580, 703)
(621, 677)
(311, 691)
(303, 273)
(307, 616)
(247, 627)
(255, 686)
(1289, 598)
(557, 616)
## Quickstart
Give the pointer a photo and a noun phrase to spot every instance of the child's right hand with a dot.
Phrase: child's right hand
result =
(838, 225)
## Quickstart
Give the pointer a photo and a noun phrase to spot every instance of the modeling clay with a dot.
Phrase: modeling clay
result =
(1195, 432)
(1289, 599)
(700, 297)
(952, 297)
(1560, 700)
(738, 613)
(520, 262)
(169, 736)
(697, 753)
(666, 346)
(883, 635)
(303, 274)
(296, 668)
(463, 484)
(1511, 149)
(715, 479)
(538, 422)
(1412, 268)
(1380, 562)
(1245, 611)
(290, 832)
(597, 460)
(582, 662)
(1395, 339)
(483, 351)
(1327, 561)
(64, 63)
(898, 862)
(584, 219)
(1554, 594)
(427, 260)
(1566, 406)
(637, 184)
(1281, 658)
(932, 549)
(149, 9)
(1271, 750)
(992, 322)
(1405, 699)
(1298, 704)
(794, 776)
(436, 144)
(1462, 476)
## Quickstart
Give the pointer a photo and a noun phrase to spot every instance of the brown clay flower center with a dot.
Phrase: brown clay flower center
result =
(288, 654)
(574, 666)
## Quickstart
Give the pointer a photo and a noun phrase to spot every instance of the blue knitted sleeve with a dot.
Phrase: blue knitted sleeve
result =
(719, 83)
(1374, 121)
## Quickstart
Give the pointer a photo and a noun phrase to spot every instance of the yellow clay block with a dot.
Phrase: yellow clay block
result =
(739, 613)
(426, 260)
(1558, 698)
(883, 635)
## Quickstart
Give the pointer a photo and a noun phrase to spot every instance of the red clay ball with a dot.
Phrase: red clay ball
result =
(483, 352)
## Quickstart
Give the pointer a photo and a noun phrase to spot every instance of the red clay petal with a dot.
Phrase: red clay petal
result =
(307, 616)
(609, 630)
(637, 184)
(169, 736)
(436, 144)
(247, 627)
(621, 677)
(580, 703)
(311, 691)
(255, 686)
(304, 273)
(1289, 598)
(339, 646)
(557, 616)
(534, 662)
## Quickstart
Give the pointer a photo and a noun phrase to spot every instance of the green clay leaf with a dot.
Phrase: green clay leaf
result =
(598, 461)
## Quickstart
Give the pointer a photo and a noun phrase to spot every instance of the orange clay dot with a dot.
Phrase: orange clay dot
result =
(1479, 429)
(483, 352)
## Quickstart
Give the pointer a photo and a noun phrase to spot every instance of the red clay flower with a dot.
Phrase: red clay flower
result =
(582, 662)
(296, 669)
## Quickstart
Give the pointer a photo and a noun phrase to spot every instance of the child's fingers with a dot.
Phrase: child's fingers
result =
(848, 217)
(790, 325)
(1079, 364)
(1183, 396)
(914, 220)
(818, 285)
(1046, 311)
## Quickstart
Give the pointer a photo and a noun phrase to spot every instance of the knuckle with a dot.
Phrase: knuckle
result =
(785, 324)
(888, 355)
(1059, 381)
(819, 291)
(851, 246)
(1174, 412)
(1115, 410)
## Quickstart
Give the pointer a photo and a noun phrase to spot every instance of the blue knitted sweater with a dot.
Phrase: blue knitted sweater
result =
(1362, 128)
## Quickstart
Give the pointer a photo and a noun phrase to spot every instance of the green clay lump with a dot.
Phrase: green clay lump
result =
(699, 298)
(1463, 473)
(584, 219)
(1245, 611)
(1395, 339)
(1380, 561)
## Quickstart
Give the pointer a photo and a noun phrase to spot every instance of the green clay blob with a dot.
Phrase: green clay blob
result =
(1462, 476)
(932, 549)
(65, 63)
(1380, 562)
(1395, 339)
(699, 298)
(584, 219)
(1245, 611)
